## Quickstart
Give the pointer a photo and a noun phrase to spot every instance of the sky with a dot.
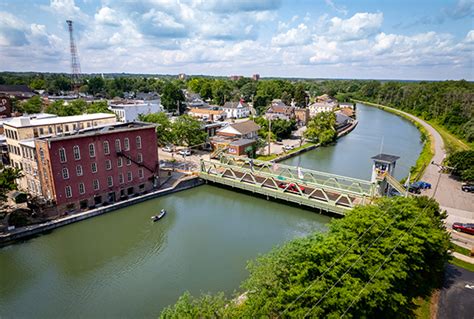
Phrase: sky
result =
(363, 39)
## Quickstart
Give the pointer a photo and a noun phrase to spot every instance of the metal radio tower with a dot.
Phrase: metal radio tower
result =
(75, 66)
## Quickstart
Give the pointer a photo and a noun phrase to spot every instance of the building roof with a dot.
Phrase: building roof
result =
(105, 129)
(242, 141)
(245, 127)
(385, 158)
(280, 108)
(25, 121)
(11, 89)
(234, 105)
(206, 111)
(29, 142)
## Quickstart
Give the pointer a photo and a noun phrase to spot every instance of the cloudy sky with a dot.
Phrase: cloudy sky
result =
(399, 39)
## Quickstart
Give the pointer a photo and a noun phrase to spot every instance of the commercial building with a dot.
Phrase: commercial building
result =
(98, 166)
(130, 110)
(21, 131)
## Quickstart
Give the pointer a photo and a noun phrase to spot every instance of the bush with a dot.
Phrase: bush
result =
(18, 218)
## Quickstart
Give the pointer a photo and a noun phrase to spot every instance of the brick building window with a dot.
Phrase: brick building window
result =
(138, 140)
(82, 188)
(126, 144)
(110, 181)
(68, 191)
(129, 162)
(120, 178)
(108, 165)
(95, 184)
(62, 155)
(94, 167)
(129, 176)
(106, 148)
(41, 155)
(140, 173)
(91, 150)
(79, 170)
(118, 146)
(139, 158)
(65, 173)
(119, 162)
(77, 152)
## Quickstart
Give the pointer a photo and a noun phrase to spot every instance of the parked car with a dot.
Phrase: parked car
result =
(393, 192)
(288, 147)
(422, 185)
(184, 152)
(467, 188)
(168, 148)
(465, 228)
(291, 187)
(414, 189)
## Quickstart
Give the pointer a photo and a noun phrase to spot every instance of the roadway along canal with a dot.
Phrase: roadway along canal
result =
(123, 265)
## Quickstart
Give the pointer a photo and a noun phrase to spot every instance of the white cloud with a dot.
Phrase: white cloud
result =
(360, 25)
(107, 16)
(296, 36)
(340, 9)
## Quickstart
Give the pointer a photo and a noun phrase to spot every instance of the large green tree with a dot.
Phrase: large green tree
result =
(61, 108)
(164, 129)
(188, 131)
(321, 128)
(32, 105)
(172, 98)
(373, 263)
(8, 176)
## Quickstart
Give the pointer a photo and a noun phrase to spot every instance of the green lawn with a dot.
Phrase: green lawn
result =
(451, 143)
(462, 264)
(461, 250)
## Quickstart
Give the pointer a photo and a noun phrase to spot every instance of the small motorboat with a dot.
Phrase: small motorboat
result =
(160, 216)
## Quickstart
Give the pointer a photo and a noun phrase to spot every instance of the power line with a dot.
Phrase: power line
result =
(386, 259)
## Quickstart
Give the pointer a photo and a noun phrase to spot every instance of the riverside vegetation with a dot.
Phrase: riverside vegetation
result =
(375, 262)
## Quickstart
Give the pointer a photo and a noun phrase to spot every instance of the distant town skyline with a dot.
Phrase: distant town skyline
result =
(422, 40)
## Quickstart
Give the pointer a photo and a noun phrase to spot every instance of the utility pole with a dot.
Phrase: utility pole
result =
(269, 133)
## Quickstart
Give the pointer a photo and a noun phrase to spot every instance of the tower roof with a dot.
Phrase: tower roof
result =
(387, 158)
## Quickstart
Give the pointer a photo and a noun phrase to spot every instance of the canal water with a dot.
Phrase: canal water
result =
(123, 265)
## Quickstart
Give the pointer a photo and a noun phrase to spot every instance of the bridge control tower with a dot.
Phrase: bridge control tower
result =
(383, 171)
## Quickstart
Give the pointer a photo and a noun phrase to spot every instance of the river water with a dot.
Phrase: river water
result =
(123, 265)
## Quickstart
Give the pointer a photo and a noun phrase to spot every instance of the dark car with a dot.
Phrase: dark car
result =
(422, 185)
(291, 187)
(414, 189)
(465, 228)
(468, 188)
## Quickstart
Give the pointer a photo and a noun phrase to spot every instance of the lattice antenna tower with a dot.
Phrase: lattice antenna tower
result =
(75, 65)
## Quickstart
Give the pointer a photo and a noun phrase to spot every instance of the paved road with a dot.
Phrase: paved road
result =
(448, 193)
(456, 300)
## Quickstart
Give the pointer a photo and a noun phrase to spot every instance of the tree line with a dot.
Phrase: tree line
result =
(373, 263)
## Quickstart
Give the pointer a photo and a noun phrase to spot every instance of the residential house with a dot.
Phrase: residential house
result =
(302, 116)
(319, 107)
(208, 114)
(99, 165)
(235, 138)
(279, 110)
(342, 120)
(236, 110)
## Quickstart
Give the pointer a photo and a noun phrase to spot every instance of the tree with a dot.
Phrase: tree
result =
(221, 91)
(188, 131)
(98, 107)
(321, 128)
(248, 90)
(31, 106)
(300, 95)
(61, 108)
(164, 128)
(7, 181)
(462, 163)
(172, 97)
(96, 85)
(372, 263)
(38, 84)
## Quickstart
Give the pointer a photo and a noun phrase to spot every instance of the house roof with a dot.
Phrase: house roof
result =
(234, 105)
(15, 88)
(242, 141)
(280, 108)
(347, 111)
(245, 127)
(341, 118)
(385, 158)
(25, 121)
(206, 111)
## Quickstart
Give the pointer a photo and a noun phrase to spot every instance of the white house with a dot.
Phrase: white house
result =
(236, 110)
(248, 130)
(319, 107)
(129, 110)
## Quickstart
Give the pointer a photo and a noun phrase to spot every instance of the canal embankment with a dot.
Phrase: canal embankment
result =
(20, 233)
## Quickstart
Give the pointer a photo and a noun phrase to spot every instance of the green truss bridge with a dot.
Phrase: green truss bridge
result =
(314, 189)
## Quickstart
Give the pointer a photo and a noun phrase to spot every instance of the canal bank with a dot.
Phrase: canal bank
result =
(34, 230)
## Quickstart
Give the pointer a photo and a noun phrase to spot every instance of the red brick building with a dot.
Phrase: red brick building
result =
(98, 166)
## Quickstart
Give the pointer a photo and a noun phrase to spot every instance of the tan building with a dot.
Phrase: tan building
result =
(208, 114)
(20, 133)
(302, 115)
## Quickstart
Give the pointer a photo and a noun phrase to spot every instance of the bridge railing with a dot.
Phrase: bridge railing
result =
(303, 175)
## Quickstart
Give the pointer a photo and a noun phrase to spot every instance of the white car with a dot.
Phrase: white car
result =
(184, 152)
(167, 148)
(288, 147)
